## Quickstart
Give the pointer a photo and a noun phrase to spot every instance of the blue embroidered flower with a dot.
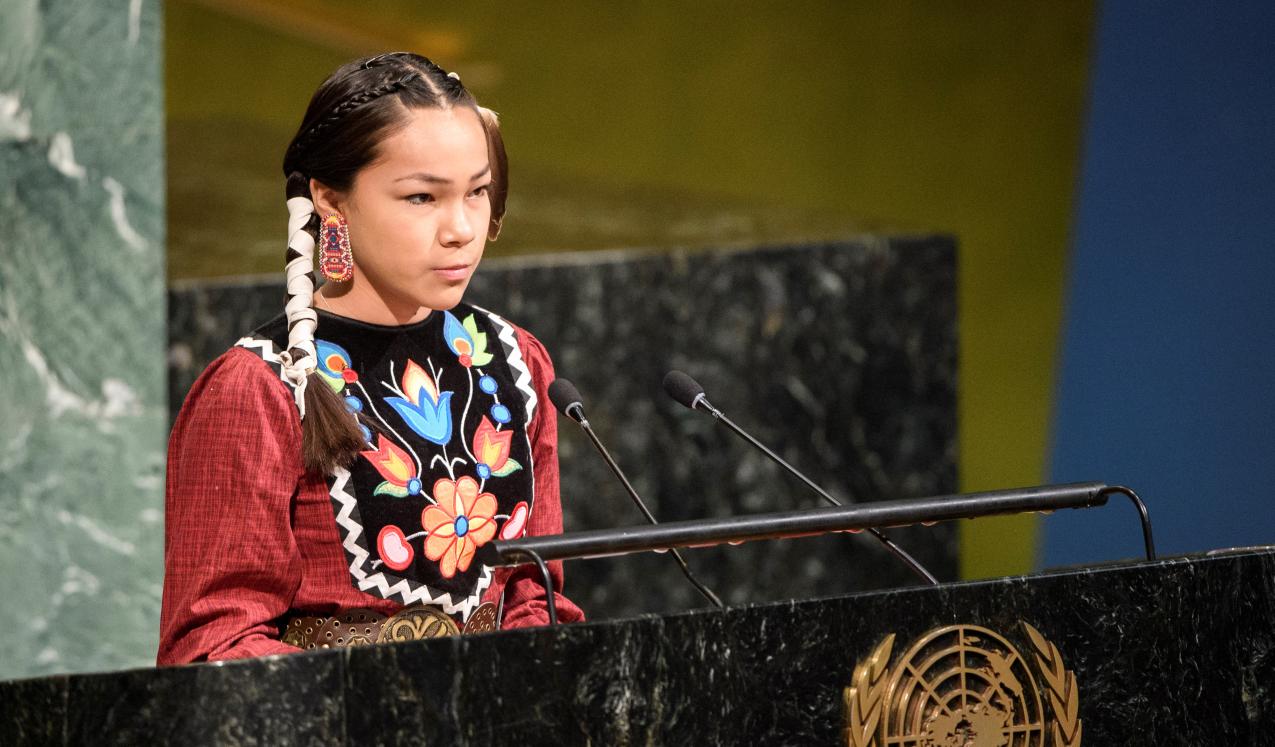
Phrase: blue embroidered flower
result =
(334, 365)
(458, 339)
(426, 410)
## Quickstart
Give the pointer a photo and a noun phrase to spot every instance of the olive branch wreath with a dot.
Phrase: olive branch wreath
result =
(864, 698)
(1064, 694)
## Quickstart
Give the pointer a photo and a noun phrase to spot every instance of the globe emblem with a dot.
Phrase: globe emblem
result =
(962, 686)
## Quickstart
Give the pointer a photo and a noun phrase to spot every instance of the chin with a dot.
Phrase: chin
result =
(446, 299)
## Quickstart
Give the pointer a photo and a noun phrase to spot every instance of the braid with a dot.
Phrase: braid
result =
(345, 107)
(330, 437)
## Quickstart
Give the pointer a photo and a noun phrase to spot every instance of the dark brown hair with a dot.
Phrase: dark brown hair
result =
(351, 113)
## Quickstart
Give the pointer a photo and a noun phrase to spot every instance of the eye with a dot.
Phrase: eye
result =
(420, 199)
(479, 191)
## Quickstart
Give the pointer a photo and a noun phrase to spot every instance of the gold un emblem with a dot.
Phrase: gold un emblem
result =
(963, 686)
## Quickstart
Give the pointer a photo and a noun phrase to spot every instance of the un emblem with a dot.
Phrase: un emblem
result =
(963, 686)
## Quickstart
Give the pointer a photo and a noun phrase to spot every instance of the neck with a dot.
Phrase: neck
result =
(357, 300)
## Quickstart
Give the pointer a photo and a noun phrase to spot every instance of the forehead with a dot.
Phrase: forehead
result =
(449, 143)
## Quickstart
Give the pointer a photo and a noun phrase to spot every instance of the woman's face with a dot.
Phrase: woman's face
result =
(418, 215)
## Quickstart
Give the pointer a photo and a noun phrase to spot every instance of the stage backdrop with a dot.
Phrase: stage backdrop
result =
(1168, 354)
(82, 414)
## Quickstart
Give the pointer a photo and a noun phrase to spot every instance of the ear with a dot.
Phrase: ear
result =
(326, 199)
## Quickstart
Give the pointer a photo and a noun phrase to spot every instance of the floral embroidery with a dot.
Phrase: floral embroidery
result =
(461, 520)
(394, 548)
(491, 451)
(396, 466)
(413, 448)
(464, 339)
(334, 365)
(517, 522)
(425, 409)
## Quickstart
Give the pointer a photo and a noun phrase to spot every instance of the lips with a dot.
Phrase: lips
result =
(454, 272)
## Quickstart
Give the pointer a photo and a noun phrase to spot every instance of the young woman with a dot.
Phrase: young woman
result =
(331, 476)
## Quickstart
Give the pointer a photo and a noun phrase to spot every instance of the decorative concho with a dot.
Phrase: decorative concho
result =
(483, 620)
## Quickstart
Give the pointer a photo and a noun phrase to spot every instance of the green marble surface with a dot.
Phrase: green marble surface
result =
(82, 413)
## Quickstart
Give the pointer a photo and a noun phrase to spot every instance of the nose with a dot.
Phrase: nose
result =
(456, 229)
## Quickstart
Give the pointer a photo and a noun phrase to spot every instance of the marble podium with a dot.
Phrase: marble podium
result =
(1172, 652)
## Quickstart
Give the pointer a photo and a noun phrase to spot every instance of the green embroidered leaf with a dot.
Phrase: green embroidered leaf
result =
(510, 467)
(398, 491)
(480, 356)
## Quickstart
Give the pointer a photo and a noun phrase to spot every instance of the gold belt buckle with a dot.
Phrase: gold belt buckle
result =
(417, 624)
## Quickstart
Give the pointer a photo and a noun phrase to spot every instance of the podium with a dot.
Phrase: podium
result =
(1178, 651)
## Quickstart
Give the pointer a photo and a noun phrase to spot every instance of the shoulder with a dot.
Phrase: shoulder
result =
(526, 356)
(244, 378)
(510, 333)
(525, 352)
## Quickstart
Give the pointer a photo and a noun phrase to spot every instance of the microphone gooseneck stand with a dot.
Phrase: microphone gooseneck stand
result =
(569, 402)
(688, 392)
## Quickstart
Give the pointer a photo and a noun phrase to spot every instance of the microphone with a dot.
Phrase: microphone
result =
(688, 392)
(567, 399)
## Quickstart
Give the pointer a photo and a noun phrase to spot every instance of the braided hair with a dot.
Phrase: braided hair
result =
(360, 104)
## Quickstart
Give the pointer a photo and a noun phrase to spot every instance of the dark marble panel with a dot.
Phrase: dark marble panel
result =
(294, 700)
(405, 694)
(33, 711)
(841, 356)
(1177, 652)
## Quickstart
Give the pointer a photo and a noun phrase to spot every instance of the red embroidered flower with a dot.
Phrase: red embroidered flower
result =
(395, 465)
(491, 451)
(462, 521)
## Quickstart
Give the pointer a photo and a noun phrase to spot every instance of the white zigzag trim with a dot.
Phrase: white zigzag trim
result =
(514, 355)
(263, 348)
(408, 591)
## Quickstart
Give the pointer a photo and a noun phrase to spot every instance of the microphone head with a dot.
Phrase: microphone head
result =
(683, 388)
(564, 395)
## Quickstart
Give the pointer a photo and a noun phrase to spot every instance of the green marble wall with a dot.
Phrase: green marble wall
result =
(82, 413)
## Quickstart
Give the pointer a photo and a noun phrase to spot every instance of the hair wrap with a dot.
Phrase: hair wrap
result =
(300, 358)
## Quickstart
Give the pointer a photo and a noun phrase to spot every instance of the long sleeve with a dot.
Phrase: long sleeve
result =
(524, 593)
(231, 562)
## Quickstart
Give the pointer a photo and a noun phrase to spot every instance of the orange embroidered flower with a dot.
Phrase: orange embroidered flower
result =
(462, 520)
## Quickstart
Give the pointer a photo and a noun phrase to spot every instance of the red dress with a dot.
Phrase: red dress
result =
(462, 449)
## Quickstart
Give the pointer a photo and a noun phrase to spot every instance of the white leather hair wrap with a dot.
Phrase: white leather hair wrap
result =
(300, 359)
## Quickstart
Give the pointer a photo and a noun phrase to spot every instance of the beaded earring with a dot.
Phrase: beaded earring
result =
(336, 260)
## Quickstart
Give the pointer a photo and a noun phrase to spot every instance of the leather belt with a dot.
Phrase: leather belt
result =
(363, 627)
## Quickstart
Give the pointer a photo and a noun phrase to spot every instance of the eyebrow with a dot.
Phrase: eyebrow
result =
(423, 177)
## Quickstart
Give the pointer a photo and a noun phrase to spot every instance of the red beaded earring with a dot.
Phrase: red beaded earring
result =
(336, 260)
